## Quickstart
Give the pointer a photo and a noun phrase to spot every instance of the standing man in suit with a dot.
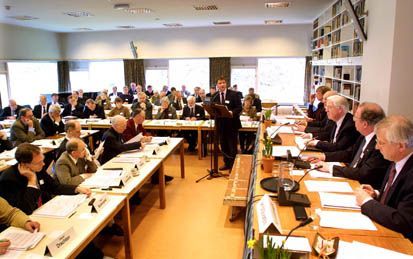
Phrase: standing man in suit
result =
(192, 112)
(228, 127)
(392, 205)
(344, 133)
(26, 128)
(41, 109)
(52, 123)
(12, 111)
(365, 163)
(75, 164)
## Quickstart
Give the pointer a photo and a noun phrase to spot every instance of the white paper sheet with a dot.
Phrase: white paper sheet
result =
(345, 220)
(61, 206)
(21, 239)
(321, 174)
(281, 151)
(339, 201)
(351, 250)
(327, 186)
(293, 243)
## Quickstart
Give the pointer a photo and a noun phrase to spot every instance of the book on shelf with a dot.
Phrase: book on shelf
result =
(357, 92)
(337, 72)
(335, 9)
(358, 73)
(345, 51)
(346, 89)
(327, 29)
(345, 18)
(337, 86)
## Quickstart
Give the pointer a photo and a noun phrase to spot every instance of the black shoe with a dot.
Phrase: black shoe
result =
(224, 167)
(155, 180)
(114, 230)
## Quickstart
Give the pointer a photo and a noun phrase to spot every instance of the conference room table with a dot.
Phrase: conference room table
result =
(382, 237)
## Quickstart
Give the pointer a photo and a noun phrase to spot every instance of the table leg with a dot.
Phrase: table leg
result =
(162, 187)
(182, 156)
(127, 229)
(199, 144)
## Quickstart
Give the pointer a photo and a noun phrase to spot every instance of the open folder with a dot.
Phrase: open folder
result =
(21, 239)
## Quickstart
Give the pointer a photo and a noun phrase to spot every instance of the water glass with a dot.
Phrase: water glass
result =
(284, 176)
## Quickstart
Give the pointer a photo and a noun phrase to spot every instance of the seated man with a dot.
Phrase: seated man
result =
(5, 144)
(156, 98)
(392, 206)
(366, 164)
(192, 112)
(10, 216)
(256, 101)
(196, 94)
(26, 128)
(166, 111)
(11, 112)
(92, 110)
(143, 103)
(73, 130)
(119, 109)
(75, 164)
(317, 113)
(126, 96)
(149, 91)
(52, 123)
(212, 91)
(177, 101)
(73, 108)
(246, 139)
(26, 186)
(344, 133)
(134, 126)
(41, 109)
(55, 100)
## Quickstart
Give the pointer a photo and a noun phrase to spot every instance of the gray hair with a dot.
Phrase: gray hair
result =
(339, 102)
(117, 119)
(190, 98)
(55, 108)
(398, 129)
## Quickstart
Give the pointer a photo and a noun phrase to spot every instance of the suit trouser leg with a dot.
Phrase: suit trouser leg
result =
(229, 146)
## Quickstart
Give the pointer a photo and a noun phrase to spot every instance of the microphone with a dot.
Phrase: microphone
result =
(275, 137)
(279, 127)
(302, 224)
(298, 162)
(302, 177)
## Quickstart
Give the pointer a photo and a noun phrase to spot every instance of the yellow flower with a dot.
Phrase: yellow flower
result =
(251, 243)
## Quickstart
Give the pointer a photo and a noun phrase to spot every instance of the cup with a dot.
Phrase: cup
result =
(284, 176)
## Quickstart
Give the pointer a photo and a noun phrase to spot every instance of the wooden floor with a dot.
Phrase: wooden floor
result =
(194, 224)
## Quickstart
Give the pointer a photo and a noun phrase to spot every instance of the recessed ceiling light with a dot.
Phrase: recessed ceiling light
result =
(139, 10)
(121, 6)
(83, 29)
(271, 22)
(277, 5)
(172, 25)
(78, 14)
(24, 17)
(222, 23)
(125, 27)
(205, 7)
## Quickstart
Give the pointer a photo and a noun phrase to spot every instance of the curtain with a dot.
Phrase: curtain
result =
(219, 67)
(307, 79)
(63, 76)
(134, 71)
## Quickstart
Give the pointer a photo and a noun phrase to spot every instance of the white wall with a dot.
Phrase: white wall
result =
(240, 41)
(27, 43)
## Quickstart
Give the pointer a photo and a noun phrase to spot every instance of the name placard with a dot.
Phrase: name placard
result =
(267, 214)
(125, 177)
(99, 203)
(54, 247)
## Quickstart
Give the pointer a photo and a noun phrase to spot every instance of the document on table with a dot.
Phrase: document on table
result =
(281, 151)
(103, 179)
(327, 186)
(21, 239)
(300, 111)
(345, 220)
(293, 243)
(159, 140)
(47, 143)
(61, 206)
(338, 201)
(321, 174)
(274, 130)
(347, 250)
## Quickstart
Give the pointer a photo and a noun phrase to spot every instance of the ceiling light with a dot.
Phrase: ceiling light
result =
(24, 17)
(172, 25)
(222, 23)
(125, 27)
(272, 22)
(139, 10)
(78, 14)
(277, 5)
(205, 7)
(83, 29)
(121, 6)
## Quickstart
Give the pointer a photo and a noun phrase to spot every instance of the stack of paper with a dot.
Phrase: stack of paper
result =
(8, 154)
(322, 174)
(281, 151)
(48, 143)
(345, 220)
(327, 186)
(21, 239)
(347, 250)
(61, 206)
(300, 244)
(104, 179)
(338, 201)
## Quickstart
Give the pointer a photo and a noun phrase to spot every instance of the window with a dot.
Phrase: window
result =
(281, 79)
(244, 78)
(189, 72)
(156, 77)
(28, 80)
(4, 90)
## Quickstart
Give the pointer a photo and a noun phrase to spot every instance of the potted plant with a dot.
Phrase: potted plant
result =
(267, 158)
(267, 118)
(270, 251)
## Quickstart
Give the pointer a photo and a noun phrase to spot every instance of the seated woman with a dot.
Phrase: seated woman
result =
(246, 139)
(103, 100)
(156, 98)
(119, 109)
(166, 111)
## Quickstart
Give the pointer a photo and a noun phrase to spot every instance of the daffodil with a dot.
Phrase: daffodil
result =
(251, 243)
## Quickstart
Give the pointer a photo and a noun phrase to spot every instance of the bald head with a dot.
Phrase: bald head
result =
(367, 116)
(73, 129)
(76, 148)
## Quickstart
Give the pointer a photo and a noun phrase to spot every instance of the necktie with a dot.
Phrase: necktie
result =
(222, 98)
(192, 112)
(43, 111)
(388, 185)
(357, 157)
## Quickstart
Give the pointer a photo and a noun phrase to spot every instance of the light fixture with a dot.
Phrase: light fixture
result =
(277, 5)
(222, 23)
(23, 17)
(172, 25)
(139, 10)
(125, 27)
(206, 7)
(272, 22)
(78, 14)
(83, 29)
(121, 7)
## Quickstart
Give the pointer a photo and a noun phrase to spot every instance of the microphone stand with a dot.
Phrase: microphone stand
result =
(302, 224)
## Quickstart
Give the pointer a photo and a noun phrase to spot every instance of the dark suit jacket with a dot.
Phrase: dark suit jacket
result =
(98, 112)
(127, 98)
(7, 112)
(198, 98)
(199, 112)
(62, 148)
(13, 188)
(346, 136)
(37, 111)
(67, 111)
(319, 114)
(180, 105)
(397, 213)
(233, 103)
(50, 128)
(117, 94)
(5, 145)
(371, 169)
(114, 145)
(68, 172)
(169, 113)
(131, 130)
(321, 130)
(148, 109)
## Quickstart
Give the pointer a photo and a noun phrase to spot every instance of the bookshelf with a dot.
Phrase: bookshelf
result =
(337, 51)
